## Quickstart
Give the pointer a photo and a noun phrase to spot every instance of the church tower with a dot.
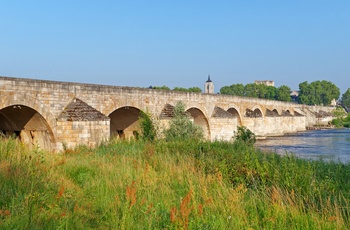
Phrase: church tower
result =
(209, 86)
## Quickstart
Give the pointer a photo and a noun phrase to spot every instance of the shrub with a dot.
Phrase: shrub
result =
(147, 126)
(245, 135)
(181, 126)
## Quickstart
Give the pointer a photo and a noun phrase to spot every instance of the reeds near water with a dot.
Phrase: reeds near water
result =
(169, 185)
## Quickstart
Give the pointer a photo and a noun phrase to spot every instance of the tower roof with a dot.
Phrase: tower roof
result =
(208, 79)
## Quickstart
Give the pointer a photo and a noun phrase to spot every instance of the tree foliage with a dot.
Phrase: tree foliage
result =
(164, 87)
(258, 90)
(318, 93)
(245, 135)
(345, 99)
(191, 89)
(235, 89)
(181, 127)
(283, 93)
(147, 127)
(181, 89)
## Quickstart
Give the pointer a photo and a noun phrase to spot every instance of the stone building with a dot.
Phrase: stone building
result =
(266, 82)
(209, 86)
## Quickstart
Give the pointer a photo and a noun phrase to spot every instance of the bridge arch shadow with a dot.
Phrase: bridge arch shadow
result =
(124, 122)
(235, 113)
(272, 113)
(200, 120)
(254, 113)
(28, 125)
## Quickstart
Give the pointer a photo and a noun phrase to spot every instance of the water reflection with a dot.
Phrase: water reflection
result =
(329, 145)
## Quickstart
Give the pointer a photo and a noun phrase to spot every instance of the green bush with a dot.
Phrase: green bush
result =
(181, 126)
(337, 123)
(245, 135)
(147, 126)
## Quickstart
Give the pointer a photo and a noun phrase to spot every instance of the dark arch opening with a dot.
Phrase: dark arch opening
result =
(235, 113)
(200, 120)
(286, 113)
(27, 125)
(255, 113)
(125, 122)
(272, 113)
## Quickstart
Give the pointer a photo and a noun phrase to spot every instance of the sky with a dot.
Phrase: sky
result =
(176, 43)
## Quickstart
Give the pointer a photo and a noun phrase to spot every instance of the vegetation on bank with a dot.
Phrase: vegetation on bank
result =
(281, 93)
(169, 185)
(342, 119)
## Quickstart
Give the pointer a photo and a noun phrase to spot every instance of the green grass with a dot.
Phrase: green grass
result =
(169, 185)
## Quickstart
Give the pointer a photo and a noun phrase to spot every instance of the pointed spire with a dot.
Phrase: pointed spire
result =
(209, 78)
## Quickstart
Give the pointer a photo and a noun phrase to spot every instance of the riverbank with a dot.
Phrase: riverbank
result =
(169, 185)
(320, 127)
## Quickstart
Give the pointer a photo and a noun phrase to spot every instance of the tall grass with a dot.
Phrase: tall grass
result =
(169, 185)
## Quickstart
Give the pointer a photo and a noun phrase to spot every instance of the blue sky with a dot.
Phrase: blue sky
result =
(176, 43)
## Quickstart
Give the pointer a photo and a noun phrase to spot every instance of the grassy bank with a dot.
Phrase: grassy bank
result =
(169, 185)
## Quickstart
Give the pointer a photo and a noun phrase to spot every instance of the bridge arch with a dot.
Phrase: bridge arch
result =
(236, 113)
(287, 113)
(272, 113)
(276, 111)
(31, 104)
(124, 122)
(255, 112)
(28, 125)
(200, 119)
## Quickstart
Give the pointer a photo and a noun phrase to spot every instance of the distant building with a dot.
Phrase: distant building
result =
(294, 95)
(209, 86)
(266, 82)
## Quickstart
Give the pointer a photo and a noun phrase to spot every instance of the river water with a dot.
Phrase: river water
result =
(329, 145)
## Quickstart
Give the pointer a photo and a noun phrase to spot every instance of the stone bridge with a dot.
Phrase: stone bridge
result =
(55, 115)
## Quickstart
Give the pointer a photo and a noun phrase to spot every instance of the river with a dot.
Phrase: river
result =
(329, 145)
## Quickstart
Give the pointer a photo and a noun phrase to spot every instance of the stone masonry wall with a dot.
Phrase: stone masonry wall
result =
(90, 133)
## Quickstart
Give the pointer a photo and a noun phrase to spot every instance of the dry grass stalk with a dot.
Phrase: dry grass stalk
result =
(131, 194)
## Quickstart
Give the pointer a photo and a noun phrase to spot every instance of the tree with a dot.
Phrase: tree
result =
(283, 93)
(161, 87)
(180, 89)
(191, 89)
(181, 126)
(345, 99)
(318, 93)
(195, 89)
(271, 93)
(261, 90)
(234, 89)
(251, 90)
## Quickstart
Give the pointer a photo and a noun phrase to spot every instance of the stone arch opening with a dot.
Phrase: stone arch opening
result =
(27, 125)
(287, 113)
(257, 113)
(125, 122)
(253, 113)
(235, 113)
(200, 120)
(272, 113)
